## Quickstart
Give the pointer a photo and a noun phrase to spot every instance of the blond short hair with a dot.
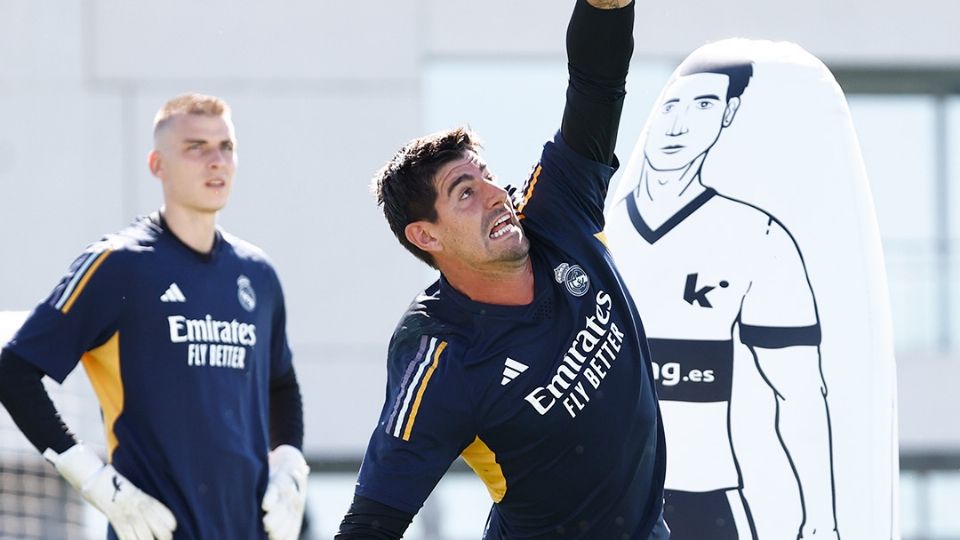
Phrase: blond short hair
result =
(190, 104)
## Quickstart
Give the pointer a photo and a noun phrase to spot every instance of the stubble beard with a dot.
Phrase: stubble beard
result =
(516, 254)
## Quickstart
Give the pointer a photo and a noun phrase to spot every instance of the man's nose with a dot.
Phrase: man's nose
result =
(496, 195)
(679, 124)
(217, 159)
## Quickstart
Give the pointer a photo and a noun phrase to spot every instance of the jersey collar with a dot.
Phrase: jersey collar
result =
(652, 235)
(157, 219)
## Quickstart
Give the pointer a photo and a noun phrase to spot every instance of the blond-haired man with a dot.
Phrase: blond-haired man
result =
(181, 330)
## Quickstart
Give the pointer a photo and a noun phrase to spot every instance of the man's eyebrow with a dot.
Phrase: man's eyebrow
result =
(460, 179)
(707, 96)
(669, 101)
(207, 141)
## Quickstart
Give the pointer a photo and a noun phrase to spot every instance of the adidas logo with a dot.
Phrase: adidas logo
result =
(511, 370)
(173, 294)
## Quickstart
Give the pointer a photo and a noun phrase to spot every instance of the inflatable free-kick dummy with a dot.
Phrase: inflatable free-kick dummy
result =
(744, 228)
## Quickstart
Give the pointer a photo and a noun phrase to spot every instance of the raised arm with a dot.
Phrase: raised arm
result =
(599, 47)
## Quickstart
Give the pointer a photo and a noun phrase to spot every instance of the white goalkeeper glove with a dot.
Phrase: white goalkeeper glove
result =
(133, 514)
(286, 493)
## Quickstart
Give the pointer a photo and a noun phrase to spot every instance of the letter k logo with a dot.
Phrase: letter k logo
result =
(691, 294)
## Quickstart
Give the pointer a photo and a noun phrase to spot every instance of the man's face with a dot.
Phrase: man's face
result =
(476, 223)
(195, 160)
(693, 111)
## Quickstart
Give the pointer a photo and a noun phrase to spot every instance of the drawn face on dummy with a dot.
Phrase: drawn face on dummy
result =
(693, 111)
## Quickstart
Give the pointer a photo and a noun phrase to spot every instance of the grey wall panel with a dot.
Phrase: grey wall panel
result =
(876, 33)
(881, 33)
(40, 42)
(302, 39)
(928, 403)
(342, 398)
(496, 27)
(143, 191)
(60, 186)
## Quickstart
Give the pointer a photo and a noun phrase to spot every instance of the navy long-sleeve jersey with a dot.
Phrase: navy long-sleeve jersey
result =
(552, 404)
(180, 348)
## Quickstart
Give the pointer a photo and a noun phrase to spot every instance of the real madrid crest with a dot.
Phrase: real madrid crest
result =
(248, 298)
(576, 280)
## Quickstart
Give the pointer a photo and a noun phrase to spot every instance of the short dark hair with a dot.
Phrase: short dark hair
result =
(405, 186)
(739, 70)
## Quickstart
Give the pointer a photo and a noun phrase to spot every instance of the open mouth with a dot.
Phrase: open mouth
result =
(216, 183)
(501, 226)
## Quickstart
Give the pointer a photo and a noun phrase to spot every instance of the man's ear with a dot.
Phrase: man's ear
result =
(420, 234)
(733, 105)
(153, 161)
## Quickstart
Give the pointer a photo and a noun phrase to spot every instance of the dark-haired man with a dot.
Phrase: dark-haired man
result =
(700, 265)
(527, 357)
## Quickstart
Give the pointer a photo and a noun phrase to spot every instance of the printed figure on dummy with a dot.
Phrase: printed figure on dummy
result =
(706, 269)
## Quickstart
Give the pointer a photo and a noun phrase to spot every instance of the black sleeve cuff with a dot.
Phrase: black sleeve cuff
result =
(369, 520)
(779, 337)
(286, 411)
(27, 401)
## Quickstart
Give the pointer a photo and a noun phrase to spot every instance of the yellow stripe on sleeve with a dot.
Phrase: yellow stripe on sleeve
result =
(423, 388)
(83, 282)
(103, 369)
(483, 461)
(530, 188)
(602, 237)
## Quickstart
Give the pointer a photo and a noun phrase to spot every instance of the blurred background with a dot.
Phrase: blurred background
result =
(324, 91)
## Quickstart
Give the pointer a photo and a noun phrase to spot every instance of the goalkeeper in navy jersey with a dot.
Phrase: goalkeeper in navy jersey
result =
(527, 357)
(181, 330)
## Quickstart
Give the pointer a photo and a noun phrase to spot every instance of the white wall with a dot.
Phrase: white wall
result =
(323, 92)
